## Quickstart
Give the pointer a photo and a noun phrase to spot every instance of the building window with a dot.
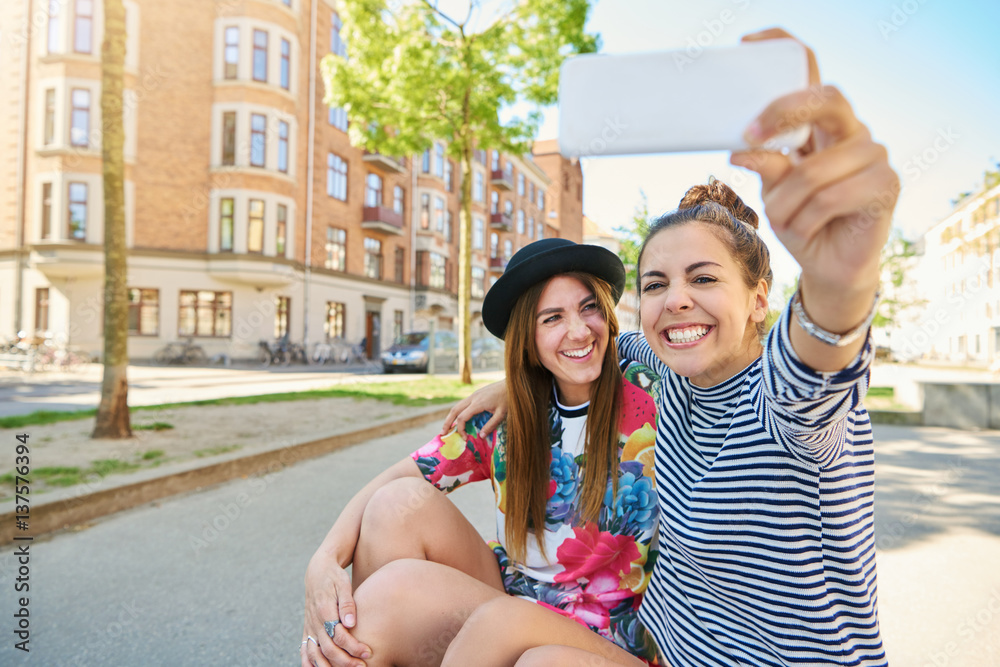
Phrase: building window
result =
(478, 193)
(478, 281)
(425, 211)
(226, 209)
(439, 215)
(41, 309)
(282, 306)
(494, 201)
(50, 117)
(229, 138)
(478, 233)
(373, 258)
(336, 176)
(541, 200)
(398, 199)
(541, 231)
(520, 221)
(337, 44)
(205, 313)
(46, 211)
(508, 207)
(337, 116)
(83, 27)
(400, 264)
(520, 185)
(448, 227)
(439, 159)
(258, 139)
(79, 133)
(260, 55)
(425, 161)
(231, 54)
(334, 325)
(143, 312)
(449, 176)
(77, 219)
(373, 190)
(531, 192)
(508, 248)
(495, 161)
(397, 324)
(282, 146)
(438, 271)
(336, 249)
(479, 155)
(494, 244)
(52, 44)
(286, 63)
(531, 227)
(281, 232)
(255, 226)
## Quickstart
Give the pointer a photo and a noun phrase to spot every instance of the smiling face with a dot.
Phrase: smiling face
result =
(697, 313)
(571, 337)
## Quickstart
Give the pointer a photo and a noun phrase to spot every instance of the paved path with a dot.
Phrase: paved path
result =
(215, 577)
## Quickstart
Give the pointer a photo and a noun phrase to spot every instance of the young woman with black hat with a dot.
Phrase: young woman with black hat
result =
(571, 470)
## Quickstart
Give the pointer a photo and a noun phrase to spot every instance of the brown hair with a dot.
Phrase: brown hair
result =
(529, 442)
(735, 224)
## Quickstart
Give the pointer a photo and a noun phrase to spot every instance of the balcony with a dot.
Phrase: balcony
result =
(69, 260)
(395, 165)
(500, 222)
(381, 219)
(498, 263)
(254, 270)
(502, 180)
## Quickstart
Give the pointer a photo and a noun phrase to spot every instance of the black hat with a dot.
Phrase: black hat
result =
(540, 261)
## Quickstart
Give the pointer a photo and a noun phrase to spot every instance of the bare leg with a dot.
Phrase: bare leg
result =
(410, 518)
(563, 656)
(410, 610)
(501, 631)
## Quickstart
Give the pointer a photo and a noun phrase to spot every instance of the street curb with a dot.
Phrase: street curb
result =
(61, 514)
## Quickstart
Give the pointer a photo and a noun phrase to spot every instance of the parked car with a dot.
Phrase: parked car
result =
(410, 352)
(487, 353)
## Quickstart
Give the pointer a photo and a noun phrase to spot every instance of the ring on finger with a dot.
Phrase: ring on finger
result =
(310, 638)
(331, 627)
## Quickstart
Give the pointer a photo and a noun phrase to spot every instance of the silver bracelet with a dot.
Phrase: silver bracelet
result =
(836, 340)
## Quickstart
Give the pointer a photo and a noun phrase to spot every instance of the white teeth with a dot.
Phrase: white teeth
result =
(687, 335)
(577, 354)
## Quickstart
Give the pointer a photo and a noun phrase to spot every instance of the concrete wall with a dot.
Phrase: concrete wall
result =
(964, 406)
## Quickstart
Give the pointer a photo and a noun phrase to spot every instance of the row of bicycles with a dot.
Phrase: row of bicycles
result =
(335, 352)
(41, 352)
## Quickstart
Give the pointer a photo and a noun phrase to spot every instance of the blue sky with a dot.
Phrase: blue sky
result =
(923, 74)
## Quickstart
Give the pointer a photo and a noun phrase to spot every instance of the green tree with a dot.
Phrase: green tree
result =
(414, 74)
(112, 413)
(894, 263)
(631, 237)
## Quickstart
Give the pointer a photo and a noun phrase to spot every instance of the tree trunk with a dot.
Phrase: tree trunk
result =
(465, 263)
(112, 413)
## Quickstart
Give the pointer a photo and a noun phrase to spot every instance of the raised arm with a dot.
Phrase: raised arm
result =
(329, 587)
(831, 205)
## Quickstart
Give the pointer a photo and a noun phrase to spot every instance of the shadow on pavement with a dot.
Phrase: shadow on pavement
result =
(930, 480)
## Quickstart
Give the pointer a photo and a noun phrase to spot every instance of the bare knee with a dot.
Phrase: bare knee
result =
(558, 656)
(397, 503)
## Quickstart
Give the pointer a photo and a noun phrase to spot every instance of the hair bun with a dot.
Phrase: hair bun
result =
(719, 193)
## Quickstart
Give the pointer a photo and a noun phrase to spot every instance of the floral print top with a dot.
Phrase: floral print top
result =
(594, 573)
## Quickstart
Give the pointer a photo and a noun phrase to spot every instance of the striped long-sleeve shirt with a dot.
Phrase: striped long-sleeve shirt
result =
(765, 485)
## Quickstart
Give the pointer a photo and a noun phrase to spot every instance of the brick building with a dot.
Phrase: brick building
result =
(249, 214)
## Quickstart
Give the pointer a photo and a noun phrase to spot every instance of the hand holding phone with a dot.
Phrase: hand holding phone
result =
(669, 101)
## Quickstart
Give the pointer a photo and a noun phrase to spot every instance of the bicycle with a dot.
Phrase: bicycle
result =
(268, 353)
(181, 353)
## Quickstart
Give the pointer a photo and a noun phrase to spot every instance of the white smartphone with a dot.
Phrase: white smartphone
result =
(674, 101)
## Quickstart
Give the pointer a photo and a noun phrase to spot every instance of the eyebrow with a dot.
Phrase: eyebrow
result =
(690, 269)
(550, 311)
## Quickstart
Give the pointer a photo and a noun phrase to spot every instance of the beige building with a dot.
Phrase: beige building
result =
(249, 215)
(959, 276)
